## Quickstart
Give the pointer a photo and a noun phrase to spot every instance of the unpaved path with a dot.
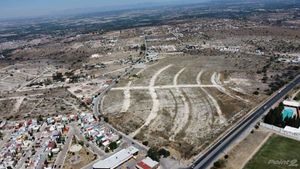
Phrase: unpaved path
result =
(126, 102)
(181, 119)
(101, 105)
(19, 97)
(47, 69)
(295, 94)
(243, 151)
(215, 80)
(251, 155)
(18, 104)
(213, 100)
(155, 101)
(163, 87)
(117, 70)
(4, 78)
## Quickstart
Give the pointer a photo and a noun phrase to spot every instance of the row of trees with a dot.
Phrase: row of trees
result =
(274, 116)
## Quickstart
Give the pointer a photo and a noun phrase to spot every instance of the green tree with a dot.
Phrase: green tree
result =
(106, 119)
(113, 145)
(143, 47)
(40, 119)
(81, 142)
(58, 76)
(145, 143)
(153, 153)
(219, 164)
(163, 152)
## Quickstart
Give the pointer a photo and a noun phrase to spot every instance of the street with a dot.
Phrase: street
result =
(214, 152)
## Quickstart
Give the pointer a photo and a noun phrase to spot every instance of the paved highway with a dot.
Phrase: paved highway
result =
(218, 148)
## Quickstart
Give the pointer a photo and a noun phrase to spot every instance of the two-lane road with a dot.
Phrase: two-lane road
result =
(217, 149)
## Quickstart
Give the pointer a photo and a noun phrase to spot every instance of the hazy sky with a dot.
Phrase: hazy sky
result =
(24, 8)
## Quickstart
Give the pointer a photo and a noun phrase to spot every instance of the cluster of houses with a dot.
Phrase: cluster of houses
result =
(20, 141)
(32, 139)
(35, 143)
(101, 135)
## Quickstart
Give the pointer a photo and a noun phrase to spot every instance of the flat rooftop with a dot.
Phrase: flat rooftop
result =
(116, 159)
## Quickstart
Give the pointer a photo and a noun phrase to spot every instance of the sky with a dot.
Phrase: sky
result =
(32, 8)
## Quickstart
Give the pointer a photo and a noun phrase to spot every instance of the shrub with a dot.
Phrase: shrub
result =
(163, 152)
(153, 153)
(113, 146)
(219, 164)
(145, 143)
(106, 119)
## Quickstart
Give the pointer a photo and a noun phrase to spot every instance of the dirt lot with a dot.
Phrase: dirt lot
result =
(216, 72)
(243, 151)
(180, 102)
(59, 76)
(54, 102)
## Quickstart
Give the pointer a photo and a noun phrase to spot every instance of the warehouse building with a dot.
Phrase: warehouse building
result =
(117, 159)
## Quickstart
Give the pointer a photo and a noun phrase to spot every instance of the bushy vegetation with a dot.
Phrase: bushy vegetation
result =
(113, 146)
(219, 164)
(274, 116)
(155, 153)
(297, 97)
(58, 77)
(143, 47)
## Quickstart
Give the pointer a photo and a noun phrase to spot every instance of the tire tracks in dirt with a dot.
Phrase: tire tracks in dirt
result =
(127, 96)
(155, 101)
(181, 119)
(213, 100)
(215, 80)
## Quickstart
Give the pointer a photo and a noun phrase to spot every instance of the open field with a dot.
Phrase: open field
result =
(46, 103)
(181, 102)
(196, 87)
(277, 153)
(63, 76)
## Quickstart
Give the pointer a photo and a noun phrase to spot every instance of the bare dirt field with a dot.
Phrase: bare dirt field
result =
(53, 102)
(78, 160)
(180, 102)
